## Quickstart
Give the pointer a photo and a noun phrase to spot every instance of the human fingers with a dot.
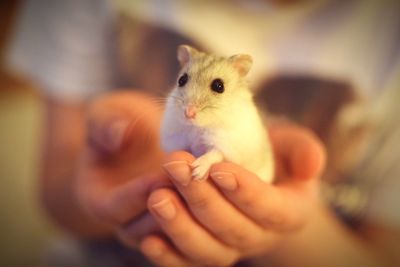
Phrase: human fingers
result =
(299, 153)
(132, 233)
(122, 143)
(192, 240)
(124, 122)
(268, 205)
(125, 209)
(160, 253)
(116, 203)
(121, 206)
(122, 149)
(210, 208)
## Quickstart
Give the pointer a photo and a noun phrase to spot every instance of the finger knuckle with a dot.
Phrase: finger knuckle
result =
(180, 233)
(198, 202)
(229, 259)
(233, 237)
(272, 219)
(250, 200)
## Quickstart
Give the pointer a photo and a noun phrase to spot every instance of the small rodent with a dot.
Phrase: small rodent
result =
(211, 114)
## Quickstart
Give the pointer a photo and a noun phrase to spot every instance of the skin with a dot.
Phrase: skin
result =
(124, 186)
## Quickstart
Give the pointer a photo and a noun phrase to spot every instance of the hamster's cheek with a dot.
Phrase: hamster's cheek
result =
(203, 120)
(198, 121)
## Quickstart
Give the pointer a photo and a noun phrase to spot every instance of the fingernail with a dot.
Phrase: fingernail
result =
(225, 180)
(165, 209)
(114, 134)
(179, 171)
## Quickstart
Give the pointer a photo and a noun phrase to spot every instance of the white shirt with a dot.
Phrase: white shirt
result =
(66, 45)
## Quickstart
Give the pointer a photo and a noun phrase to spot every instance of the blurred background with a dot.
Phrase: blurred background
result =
(24, 228)
(324, 71)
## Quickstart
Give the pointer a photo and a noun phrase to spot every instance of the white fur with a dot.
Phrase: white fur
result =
(228, 127)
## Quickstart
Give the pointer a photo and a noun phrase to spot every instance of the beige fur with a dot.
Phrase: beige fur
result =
(227, 126)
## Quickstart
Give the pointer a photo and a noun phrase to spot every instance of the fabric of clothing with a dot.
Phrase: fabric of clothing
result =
(66, 45)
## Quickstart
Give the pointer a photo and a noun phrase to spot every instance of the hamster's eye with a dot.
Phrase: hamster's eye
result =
(183, 80)
(217, 85)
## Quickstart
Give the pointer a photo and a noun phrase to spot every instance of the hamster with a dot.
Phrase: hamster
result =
(211, 114)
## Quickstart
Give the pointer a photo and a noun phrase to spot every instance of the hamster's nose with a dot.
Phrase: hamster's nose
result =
(190, 112)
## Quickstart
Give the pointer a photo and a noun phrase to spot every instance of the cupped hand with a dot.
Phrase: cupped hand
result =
(122, 161)
(234, 215)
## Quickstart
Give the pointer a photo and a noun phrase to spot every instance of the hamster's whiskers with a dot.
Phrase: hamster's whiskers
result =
(159, 99)
(145, 126)
(208, 107)
(163, 100)
(180, 99)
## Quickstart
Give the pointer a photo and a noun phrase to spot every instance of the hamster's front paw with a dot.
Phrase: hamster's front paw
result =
(200, 168)
(202, 164)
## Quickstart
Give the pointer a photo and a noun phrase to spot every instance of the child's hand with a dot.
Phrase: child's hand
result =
(234, 215)
(122, 161)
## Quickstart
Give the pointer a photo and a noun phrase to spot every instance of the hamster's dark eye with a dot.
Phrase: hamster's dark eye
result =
(183, 80)
(217, 86)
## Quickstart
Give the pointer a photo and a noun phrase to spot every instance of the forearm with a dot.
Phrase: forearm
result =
(63, 139)
(325, 241)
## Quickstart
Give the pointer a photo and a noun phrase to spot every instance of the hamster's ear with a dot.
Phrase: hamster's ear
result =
(242, 63)
(185, 53)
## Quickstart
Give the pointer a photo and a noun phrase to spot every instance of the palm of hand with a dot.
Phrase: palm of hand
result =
(106, 189)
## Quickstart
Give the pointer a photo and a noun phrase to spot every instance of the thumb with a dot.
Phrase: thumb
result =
(122, 122)
(299, 152)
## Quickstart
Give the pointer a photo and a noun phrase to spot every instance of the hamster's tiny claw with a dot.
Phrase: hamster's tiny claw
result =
(199, 175)
(200, 169)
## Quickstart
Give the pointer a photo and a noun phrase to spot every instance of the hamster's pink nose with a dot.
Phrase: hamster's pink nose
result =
(190, 112)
